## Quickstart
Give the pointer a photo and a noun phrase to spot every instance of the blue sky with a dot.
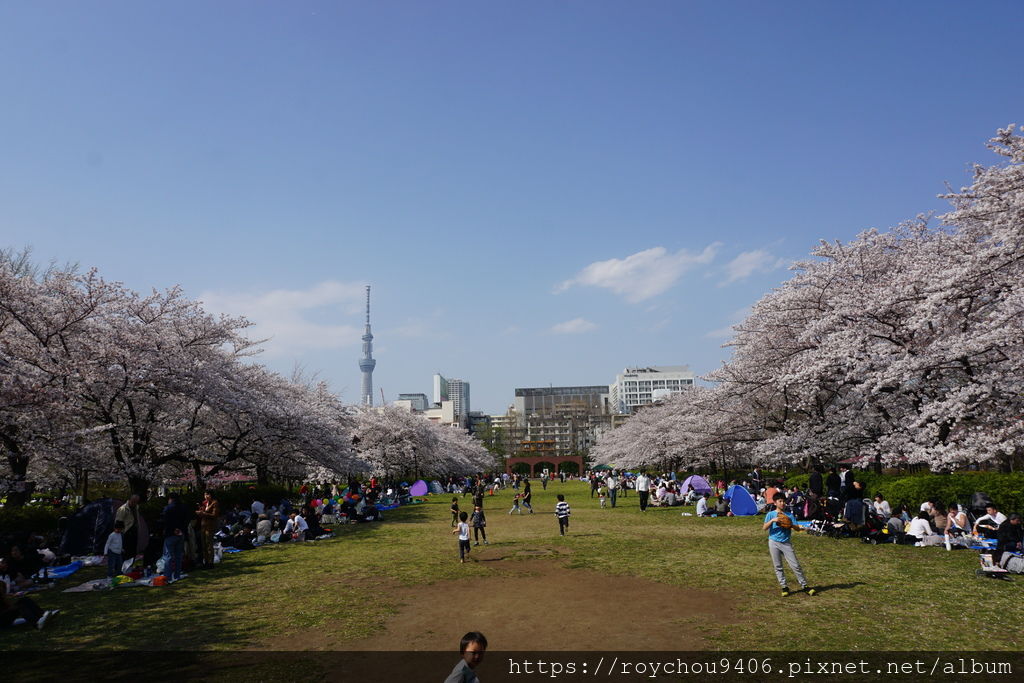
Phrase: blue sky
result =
(538, 192)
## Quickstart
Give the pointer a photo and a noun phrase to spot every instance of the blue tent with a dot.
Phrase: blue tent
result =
(699, 484)
(741, 503)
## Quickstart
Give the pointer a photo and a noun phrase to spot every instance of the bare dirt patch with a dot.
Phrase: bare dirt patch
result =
(536, 604)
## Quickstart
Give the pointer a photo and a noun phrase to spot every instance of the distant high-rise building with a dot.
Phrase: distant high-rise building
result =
(416, 402)
(558, 421)
(640, 386)
(440, 389)
(454, 391)
(458, 394)
(589, 400)
(367, 363)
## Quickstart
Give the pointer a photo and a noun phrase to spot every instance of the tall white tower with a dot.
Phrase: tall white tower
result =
(367, 363)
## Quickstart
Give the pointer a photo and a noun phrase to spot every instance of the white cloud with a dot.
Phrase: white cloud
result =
(735, 319)
(750, 262)
(574, 326)
(643, 274)
(291, 319)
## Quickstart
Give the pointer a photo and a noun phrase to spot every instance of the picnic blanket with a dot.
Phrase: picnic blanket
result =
(61, 572)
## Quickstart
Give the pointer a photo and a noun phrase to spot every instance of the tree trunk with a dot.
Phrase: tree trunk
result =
(878, 463)
(21, 492)
(139, 486)
(262, 479)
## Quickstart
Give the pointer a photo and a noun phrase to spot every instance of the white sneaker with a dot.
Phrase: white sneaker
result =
(41, 622)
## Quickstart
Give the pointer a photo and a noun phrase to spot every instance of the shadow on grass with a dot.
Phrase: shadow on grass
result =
(839, 586)
(205, 611)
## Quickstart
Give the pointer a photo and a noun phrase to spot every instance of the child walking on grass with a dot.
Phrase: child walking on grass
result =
(463, 531)
(779, 532)
(515, 505)
(602, 493)
(479, 522)
(562, 512)
(455, 512)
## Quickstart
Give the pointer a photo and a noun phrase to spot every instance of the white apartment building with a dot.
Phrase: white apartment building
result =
(643, 385)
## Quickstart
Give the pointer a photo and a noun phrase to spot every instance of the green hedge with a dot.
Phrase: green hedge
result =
(41, 518)
(1007, 490)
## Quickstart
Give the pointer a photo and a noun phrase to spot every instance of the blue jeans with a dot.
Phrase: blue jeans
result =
(612, 494)
(113, 564)
(174, 553)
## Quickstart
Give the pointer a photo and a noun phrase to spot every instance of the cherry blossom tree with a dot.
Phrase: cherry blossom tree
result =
(899, 346)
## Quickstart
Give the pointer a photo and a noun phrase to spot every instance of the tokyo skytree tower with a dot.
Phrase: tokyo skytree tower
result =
(367, 363)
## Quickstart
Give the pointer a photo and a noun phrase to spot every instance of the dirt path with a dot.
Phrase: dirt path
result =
(531, 601)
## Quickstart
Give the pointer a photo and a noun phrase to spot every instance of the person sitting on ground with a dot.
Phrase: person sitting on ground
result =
(690, 496)
(939, 517)
(904, 512)
(921, 528)
(264, 528)
(702, 506)
(989, 523)
(12, 608)
(881, 505)
(1009, 536)
(244, 539)
(895, 525)
(671, 498)
(296, 527)
(370, 513)
(956, 520)
(722, 507)
(9, 574)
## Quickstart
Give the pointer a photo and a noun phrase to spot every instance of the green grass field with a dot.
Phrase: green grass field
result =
(348, 588)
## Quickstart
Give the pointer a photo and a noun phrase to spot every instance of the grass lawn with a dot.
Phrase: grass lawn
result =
(363, 584)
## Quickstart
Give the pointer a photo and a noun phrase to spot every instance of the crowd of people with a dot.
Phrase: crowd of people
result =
(185, 538)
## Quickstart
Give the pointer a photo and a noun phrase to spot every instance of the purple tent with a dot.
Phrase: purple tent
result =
(699, 484)
(419, 488)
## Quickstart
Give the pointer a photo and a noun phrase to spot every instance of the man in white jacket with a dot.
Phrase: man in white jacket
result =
(643, 488)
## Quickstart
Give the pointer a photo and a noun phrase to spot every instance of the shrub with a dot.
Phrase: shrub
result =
(1007, 490)
(41, 518)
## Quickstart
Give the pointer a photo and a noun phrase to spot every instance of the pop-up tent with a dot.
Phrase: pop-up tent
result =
(435, 487)
(699, 484)
(419, 488)
(741, 503)
(87, 530)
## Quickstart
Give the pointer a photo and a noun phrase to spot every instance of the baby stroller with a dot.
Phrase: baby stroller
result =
(873, 531)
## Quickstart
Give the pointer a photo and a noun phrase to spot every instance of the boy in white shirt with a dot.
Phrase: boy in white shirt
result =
(113, 549)
(463, 531)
